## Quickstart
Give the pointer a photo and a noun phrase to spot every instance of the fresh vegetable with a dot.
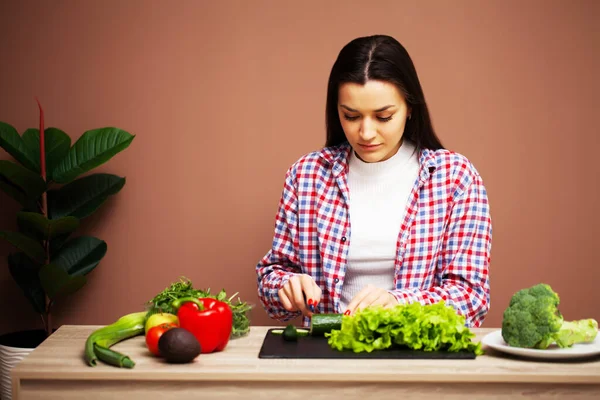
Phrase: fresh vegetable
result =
(291, 333)
(179, 345)
(432, 327)
(97, 345)
(154, 335)
(320, 324)
(112, 357)
(160, 318)
(162, 302)
(209, 320)
(533, 320)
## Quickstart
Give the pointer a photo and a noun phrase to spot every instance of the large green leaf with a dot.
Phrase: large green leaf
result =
(28, 230)
(91, 150)
(57, 243)
(25, 273)
(13, 191)
(14, 145)
(82, 197)
(57, 283)
(20, 183)
(29, 246)
(46, 229)
(56, 142)
(80, 255)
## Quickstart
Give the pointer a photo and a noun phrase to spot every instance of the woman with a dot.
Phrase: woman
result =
(383, 214)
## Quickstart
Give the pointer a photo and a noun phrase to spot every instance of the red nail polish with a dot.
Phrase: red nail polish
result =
(310, 302)
(347, 312)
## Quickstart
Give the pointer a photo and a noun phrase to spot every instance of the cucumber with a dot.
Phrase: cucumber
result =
(324, 323)
(291, 333)
(320, 325)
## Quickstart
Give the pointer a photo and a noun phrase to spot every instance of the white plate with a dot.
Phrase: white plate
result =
(496, 342)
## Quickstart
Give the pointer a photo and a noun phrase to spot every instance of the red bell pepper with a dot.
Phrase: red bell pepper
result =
(208, 319)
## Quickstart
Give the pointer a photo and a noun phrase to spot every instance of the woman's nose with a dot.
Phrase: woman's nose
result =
(368, 130)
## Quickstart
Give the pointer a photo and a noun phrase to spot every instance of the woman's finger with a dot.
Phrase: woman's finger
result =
(289, 290)
(358, 299)
(392, 301)
(298, 295)
(285, 300)
(382, 300)
(370, 298)
(312, 291)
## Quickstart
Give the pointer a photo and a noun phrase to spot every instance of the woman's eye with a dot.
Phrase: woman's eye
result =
(354, 118)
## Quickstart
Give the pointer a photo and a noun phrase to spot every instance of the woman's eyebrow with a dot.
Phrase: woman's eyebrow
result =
(378, 110)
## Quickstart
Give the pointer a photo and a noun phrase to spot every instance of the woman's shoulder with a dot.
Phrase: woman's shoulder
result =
(453, 169)
(319, 160)
(449, 161)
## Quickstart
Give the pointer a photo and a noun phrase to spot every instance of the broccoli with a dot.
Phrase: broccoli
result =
(533, 320)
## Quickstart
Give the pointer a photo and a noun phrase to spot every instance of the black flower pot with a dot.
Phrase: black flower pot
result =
(14, 347)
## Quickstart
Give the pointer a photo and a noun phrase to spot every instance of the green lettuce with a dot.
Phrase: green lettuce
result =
(432, 327)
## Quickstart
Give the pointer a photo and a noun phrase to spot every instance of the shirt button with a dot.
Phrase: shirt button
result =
(343, 238)
(336, 280)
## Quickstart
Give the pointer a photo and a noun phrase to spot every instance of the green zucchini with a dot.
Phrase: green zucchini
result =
(321, 324)
(98, 343)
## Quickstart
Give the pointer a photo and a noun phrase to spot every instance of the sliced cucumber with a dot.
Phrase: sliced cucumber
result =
(291, 333)
(324, 323)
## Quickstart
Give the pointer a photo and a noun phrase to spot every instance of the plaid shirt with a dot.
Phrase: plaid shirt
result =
(443, 248)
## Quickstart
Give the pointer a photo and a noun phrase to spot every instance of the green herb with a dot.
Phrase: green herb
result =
(184, 288)
(433, 327)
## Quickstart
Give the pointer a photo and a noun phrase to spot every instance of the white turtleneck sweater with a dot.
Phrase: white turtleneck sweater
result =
(378, 201)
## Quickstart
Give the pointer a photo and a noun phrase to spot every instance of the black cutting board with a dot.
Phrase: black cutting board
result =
(317, 347)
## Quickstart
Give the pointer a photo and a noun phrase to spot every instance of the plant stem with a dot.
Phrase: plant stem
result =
(48, 302)
(48, 324)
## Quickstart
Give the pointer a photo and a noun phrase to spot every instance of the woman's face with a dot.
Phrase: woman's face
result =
(373, 117)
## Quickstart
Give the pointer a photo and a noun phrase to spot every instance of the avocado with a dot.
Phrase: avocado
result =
(178, 345)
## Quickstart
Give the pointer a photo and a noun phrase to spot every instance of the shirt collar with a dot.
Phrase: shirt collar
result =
(337, 157)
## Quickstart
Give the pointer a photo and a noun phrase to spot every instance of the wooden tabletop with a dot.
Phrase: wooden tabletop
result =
(61, 357)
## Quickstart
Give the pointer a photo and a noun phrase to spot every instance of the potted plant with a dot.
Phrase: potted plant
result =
(50, 262)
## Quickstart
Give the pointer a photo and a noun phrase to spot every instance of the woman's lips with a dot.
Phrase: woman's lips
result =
(369, 147)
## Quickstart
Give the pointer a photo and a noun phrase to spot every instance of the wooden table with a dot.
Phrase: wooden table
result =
(56, 370)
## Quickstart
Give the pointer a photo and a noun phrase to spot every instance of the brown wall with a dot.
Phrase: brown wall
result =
(224, 96)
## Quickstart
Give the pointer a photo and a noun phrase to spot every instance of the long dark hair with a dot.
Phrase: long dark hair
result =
(379, 57)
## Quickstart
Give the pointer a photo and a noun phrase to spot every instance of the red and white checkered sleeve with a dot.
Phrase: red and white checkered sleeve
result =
(464, 259)
(281, 261)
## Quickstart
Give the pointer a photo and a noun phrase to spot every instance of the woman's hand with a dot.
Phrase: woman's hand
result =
(371, 296)
(293, 294)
